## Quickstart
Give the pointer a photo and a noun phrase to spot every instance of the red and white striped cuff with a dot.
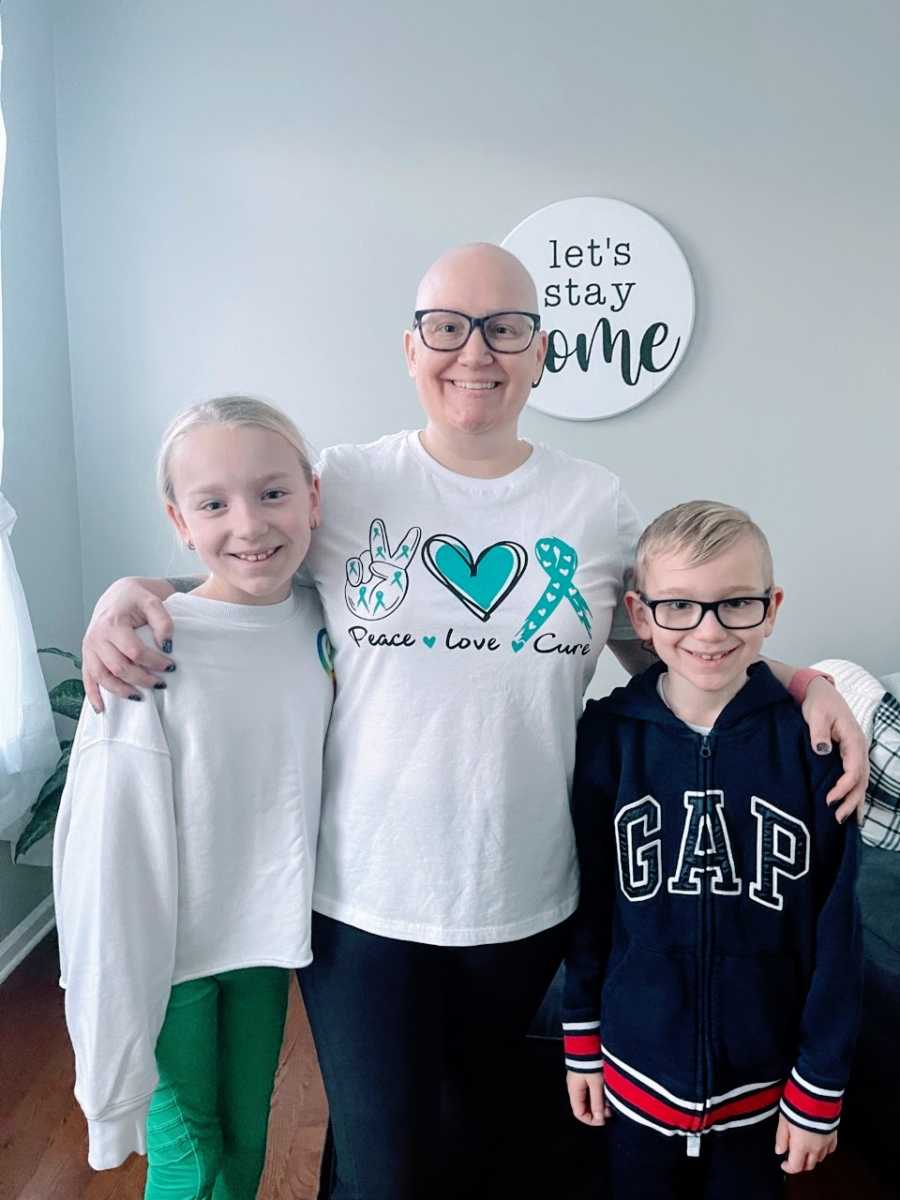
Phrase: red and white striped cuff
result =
(581, 1045)
(815, 1108)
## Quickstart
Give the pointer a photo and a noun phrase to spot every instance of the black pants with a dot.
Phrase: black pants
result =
(420, 1051)
(736, 1164)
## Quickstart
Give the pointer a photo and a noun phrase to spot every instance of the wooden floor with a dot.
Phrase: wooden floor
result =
(43, 1140)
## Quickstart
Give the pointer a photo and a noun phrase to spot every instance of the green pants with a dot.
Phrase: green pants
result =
(217, 1053)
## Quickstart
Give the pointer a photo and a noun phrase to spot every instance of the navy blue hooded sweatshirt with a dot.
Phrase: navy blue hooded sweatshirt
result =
(715, 970)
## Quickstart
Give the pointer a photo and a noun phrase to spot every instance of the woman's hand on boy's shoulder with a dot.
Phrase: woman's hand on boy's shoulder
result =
(830, 720)
(804, 1148)
(587, 1098)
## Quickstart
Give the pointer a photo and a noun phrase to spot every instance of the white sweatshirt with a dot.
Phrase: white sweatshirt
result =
(185, 842)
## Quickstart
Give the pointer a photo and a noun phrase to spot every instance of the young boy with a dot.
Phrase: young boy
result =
(713, 986)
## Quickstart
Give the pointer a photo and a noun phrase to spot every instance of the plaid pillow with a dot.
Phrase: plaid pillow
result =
(881, 820)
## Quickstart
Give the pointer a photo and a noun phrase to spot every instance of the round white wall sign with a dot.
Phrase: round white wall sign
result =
(616, 299)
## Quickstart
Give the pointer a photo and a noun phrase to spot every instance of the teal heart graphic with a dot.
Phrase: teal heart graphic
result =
(429, 641)
(481, 583)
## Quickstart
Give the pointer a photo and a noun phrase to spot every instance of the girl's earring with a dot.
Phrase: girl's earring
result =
(191, 546)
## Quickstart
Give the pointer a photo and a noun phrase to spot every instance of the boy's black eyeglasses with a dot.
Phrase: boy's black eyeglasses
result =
(737, 612)
(509, 332)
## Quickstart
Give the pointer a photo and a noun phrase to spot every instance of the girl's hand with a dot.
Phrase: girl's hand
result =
(804, 1149)
(113, 655)
(587, 1098)
(829, 719)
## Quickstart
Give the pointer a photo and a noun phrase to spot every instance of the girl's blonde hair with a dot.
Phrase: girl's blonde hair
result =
(233, 411)
(702, 528)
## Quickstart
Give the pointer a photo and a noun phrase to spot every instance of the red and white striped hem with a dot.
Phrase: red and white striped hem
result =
(645, 1100)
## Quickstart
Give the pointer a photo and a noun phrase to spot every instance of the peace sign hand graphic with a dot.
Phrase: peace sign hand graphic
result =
(377, 580)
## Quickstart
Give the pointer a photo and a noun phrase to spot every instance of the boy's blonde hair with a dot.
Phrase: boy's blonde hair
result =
(704, 529)
(233, 411)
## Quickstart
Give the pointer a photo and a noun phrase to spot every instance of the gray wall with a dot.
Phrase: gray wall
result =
(39, 462)
(251, 191)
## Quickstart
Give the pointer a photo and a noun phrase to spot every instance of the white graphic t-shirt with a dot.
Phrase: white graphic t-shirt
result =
(466, 617)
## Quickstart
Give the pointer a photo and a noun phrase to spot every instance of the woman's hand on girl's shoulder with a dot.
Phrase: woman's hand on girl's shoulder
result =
(113, 655)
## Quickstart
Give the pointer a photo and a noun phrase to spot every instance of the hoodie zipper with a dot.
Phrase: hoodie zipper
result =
(705, 971)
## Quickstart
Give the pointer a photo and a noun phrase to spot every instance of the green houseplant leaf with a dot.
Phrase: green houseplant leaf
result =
(46, 807)
(67, 698)
(73, 658)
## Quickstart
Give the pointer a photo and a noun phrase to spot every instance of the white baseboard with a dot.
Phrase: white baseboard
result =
(26, 935)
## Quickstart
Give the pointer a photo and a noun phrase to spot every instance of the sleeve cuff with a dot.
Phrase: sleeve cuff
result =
(111, 1140)
(582, 1046)
(811, 1107)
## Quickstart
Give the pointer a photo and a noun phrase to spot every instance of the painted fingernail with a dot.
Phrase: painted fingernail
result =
(823, 747)
(135, 696)
(96, 710)
(159, 687)
(170, 667)
(167, 646)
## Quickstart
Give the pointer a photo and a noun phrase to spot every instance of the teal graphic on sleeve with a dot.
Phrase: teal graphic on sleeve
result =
(560, 561)
(482, 583)
(377, 580)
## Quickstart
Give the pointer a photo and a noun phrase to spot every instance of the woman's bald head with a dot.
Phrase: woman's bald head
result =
(480, 270)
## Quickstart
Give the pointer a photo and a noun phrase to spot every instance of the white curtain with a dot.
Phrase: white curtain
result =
(28, 745)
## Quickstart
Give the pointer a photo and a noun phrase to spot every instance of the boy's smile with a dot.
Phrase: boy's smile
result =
(707, 665)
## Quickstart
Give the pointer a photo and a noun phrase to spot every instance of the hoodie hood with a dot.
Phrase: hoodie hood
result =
(640, 700)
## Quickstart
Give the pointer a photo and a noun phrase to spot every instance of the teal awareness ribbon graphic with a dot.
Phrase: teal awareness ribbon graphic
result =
(560, 562)
(326, 652)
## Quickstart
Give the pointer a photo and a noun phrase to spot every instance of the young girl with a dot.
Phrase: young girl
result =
(185, 844)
